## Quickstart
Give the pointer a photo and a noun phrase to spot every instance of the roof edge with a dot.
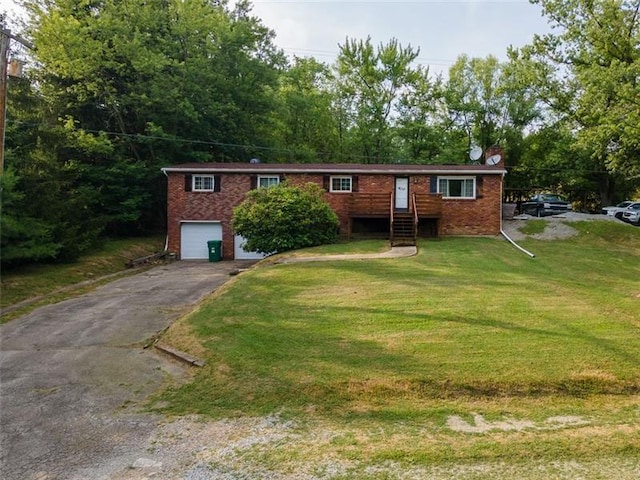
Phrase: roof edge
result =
(359, 169)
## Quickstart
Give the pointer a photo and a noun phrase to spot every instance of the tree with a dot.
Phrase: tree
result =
(587, 74)
(419, 128)
(486, 103)
(174, 70)
(369, 82)
(23, 237)
(552, 161)
(305, 123)
(118, 89)
(50, 208)
(285, 217)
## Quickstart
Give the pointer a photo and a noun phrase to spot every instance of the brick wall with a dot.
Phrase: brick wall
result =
(214, 206)
(475, 217)
(460, 217)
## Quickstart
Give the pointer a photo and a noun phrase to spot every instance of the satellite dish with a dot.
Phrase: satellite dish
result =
(254, 160)
(475, 153)
(494, 159)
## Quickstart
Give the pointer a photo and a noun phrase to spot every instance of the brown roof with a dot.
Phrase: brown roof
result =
(336, 168)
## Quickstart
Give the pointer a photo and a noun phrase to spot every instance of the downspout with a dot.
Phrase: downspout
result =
(166, 237)
(504, 234)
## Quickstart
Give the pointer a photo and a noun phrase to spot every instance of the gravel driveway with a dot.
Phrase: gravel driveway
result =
(72, 373)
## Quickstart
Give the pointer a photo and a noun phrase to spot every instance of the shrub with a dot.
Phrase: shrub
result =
(285, 217)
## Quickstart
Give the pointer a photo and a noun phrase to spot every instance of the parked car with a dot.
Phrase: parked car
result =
(545, 204)
(631, 214)
(616, 211)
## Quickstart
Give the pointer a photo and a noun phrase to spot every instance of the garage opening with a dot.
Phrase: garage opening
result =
(194, 237)
(239, 253)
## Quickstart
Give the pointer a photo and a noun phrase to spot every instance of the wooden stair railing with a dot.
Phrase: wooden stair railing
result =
(428, 205)
(391, 219)
(415, 219)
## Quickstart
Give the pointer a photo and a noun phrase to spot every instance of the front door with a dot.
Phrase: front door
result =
(402, 193)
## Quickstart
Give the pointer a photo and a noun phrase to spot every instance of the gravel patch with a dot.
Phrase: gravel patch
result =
(558, 226)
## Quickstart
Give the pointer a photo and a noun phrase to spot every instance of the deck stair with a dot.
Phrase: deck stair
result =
(403, 229)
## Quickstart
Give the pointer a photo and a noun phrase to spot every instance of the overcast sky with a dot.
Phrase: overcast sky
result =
(442, 30)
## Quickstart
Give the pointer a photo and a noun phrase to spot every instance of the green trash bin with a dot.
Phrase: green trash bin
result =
(215, 250)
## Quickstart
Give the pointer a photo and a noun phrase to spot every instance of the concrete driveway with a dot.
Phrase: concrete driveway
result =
(72, 374)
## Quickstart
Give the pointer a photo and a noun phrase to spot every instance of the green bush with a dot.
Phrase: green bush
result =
(285, 217)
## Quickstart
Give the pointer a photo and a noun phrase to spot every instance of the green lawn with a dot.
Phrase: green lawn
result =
(470, 355)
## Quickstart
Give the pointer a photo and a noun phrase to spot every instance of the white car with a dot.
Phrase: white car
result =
(631, 214)
(616, 211)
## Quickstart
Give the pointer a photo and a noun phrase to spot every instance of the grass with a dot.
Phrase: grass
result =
(382, 356)
(52, 280)
(533, 227)
(345, 247)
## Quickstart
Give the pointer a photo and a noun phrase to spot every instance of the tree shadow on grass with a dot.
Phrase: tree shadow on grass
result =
(304, 363)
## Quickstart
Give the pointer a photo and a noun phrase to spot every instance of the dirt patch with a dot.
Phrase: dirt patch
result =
(480, 425)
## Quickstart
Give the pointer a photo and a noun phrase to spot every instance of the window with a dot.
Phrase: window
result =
(457, 187)
(203, 183)
(266, 182)
(340, 184)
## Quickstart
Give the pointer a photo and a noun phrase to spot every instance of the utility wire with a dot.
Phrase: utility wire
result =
(290, 152)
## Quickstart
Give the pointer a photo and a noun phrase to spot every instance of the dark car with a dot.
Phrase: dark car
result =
(545, 204)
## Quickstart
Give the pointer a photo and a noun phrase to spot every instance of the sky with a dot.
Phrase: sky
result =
(441, 30)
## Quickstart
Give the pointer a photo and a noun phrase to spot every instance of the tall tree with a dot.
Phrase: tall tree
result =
(485, 102)
(307, 129)
(192, 70)
(419, 128)
(587, 72)
(48, 211)
(125, 87)
(369, 82)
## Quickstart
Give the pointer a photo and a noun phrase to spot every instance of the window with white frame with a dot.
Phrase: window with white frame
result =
(341, 184)
(268, 181)
(203, 183)
(457, 187)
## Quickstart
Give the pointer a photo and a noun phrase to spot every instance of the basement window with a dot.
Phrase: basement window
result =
(457, 187)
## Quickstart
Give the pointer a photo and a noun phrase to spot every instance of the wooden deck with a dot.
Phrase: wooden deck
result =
(370, 204)
(403, 225)
(425, 205)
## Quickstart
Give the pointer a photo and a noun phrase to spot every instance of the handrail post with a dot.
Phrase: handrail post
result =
(391, 206)
(415, 218)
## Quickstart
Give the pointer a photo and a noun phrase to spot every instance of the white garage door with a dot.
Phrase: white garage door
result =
(194, 238)
(241, 254)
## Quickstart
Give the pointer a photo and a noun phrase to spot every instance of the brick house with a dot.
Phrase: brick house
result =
(399, 202)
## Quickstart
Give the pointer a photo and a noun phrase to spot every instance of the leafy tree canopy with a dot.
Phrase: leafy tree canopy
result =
(587, 74)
